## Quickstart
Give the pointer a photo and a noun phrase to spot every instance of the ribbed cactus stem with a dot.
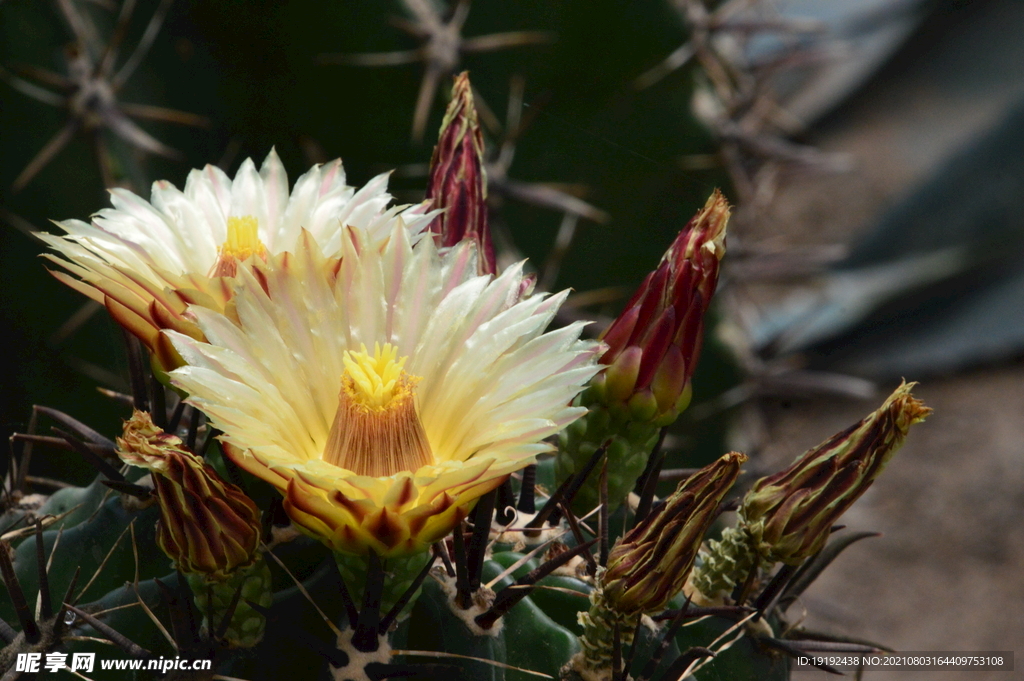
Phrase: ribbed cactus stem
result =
(246, 627)
(399, 574)
(594, 662)
(629, 443)
(726, 563)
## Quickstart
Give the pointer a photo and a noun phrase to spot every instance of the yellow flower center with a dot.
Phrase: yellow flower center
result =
(242, 243)
(376, 430)
(375, 381)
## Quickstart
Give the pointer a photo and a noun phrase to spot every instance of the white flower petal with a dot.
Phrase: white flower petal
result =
(491, 384)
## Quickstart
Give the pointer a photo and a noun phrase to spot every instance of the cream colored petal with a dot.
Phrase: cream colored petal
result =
(275, 189)
(248, 197)
(210, 191)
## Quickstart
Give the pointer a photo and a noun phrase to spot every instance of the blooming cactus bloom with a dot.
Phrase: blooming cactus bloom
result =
(458, 182)
(790, 514)
(650, 564)
(654, 344)
(383, 398)
(147, 261)
(207, 526)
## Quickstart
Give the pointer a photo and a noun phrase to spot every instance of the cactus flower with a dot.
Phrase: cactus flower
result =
(458, 182)
(384, 397)
(207, 526)
(650, 564)
(146, 261)
(789, 514)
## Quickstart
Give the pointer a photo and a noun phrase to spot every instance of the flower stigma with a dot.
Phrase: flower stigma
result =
(376, 429)
(242, 243)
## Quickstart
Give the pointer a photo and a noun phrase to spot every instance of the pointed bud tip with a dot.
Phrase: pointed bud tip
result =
(713, 221)
(907, 408)
(461, 107)
(458, 178)
(144, 444)
(705, 232)
(462, 89)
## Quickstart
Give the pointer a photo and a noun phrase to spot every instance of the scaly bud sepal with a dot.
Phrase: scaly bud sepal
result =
(208, 527)
(458, 180)
(789, 515)
(650, 564)
(246, 626)
(627, 444)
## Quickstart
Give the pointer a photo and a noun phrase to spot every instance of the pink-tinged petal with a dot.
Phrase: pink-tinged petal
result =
(157, 249)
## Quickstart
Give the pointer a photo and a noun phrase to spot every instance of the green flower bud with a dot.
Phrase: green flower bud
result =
(208, 527)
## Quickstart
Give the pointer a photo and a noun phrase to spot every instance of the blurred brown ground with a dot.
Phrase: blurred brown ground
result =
(948, 574)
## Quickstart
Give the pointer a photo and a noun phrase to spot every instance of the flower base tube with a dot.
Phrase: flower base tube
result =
(213, 600)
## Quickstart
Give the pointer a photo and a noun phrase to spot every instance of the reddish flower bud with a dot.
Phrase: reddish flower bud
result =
(207, 526)
(789, 515)
(650, 564)
(458, 182)
(657, 338)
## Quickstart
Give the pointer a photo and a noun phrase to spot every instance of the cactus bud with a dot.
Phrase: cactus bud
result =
(650, 564)
(652, 351)
(208, 527)
(664, 321)
(789, 514)
(458, 181)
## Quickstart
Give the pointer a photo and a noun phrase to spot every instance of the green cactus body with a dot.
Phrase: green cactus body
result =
(86, 545)
(399, 575)
(78, 502)
(132, 621)
(629, 443)
(743, 660)
(727, 563)
(561, 606)
(527, 638)
(541, 633)
(432, 626)
(213, 599)
(570, 611)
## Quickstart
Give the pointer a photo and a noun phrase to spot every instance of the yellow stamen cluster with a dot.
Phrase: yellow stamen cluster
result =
(242, 243)
(374, 382)
(376, 430)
